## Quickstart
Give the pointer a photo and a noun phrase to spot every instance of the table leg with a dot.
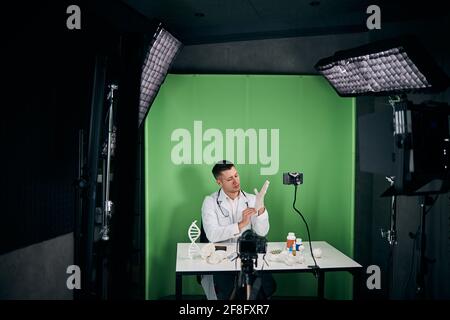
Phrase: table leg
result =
(178, 286)
(321, 285)
(357, 278)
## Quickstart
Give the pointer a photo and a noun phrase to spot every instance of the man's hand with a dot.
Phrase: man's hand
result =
(246, 216)
(259, 202)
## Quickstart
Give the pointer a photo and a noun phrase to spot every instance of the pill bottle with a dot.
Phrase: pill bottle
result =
(298, 244)
(290, 240)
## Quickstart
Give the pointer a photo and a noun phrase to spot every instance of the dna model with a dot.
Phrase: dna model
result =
(194, 234)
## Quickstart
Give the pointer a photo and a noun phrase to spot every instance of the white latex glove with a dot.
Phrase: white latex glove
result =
(259, 202)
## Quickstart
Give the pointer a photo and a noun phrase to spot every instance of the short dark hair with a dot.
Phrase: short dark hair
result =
(219, 167)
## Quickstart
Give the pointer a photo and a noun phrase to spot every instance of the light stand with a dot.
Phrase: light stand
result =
(426, 203)
(103, 247)
(423, 262)
(391, 234)
(108, 204)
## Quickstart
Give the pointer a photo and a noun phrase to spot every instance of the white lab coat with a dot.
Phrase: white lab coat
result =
(224, 227)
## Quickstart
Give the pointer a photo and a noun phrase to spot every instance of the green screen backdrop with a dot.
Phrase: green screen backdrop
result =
(271, 124)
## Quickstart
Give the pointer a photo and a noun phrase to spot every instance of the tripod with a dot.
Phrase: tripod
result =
(247, 274)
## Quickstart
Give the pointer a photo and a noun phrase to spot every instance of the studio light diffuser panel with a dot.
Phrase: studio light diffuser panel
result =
(158, 60)
(386, 67)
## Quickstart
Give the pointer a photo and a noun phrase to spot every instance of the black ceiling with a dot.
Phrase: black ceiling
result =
(210, 21)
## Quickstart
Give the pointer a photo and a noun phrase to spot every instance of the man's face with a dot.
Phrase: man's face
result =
(229, 180)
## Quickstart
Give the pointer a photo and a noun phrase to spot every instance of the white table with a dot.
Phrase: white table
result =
(331, 260)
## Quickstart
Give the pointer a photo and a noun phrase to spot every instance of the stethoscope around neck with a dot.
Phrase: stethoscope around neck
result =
(220, 207)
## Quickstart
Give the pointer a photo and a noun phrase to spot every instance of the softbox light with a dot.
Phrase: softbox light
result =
(160, 55)
(393, 66)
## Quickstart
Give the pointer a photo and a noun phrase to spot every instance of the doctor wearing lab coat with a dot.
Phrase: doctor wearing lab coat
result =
(226, 214)
(230, 211)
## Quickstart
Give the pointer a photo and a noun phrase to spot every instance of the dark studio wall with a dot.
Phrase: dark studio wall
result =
(49, 73)
(270, 56)
(45, 98)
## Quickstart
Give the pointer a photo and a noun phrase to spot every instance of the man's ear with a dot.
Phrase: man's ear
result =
(219, 182)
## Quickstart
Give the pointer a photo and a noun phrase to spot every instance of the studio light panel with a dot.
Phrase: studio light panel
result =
(384, 71)
(381, 69)
(157, 62)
